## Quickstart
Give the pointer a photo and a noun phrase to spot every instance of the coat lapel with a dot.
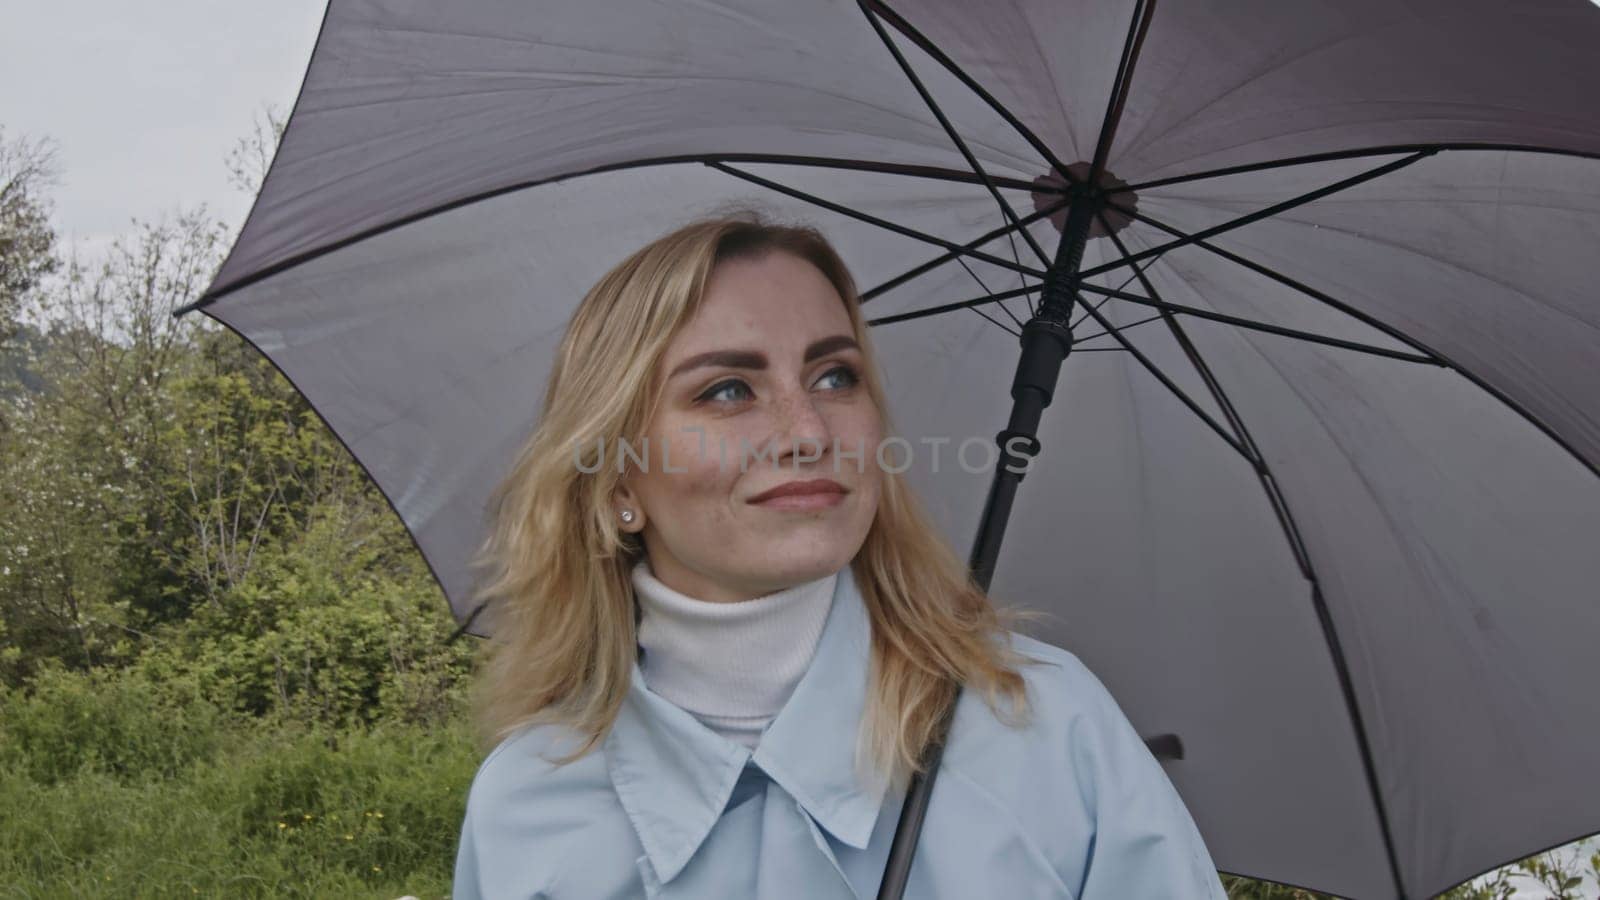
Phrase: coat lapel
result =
(673, 775)
(809, 747)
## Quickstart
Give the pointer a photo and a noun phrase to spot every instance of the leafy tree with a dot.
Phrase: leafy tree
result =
(190, 562)
(27, 241)
(252, 154)
(89, 452)
(1555, 873)
(1497, 886)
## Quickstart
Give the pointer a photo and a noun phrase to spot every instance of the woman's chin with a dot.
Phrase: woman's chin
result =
(817, 553)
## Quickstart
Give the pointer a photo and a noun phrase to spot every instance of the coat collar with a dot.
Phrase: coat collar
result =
(674, 775)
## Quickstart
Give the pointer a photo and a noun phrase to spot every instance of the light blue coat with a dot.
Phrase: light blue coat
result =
(1072, 806)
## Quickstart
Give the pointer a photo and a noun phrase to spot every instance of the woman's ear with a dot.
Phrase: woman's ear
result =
(629, 514)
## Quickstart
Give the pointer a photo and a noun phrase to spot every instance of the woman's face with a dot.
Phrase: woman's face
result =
(762, 388)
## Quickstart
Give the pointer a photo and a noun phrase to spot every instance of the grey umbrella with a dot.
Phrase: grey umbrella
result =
(1308, 287)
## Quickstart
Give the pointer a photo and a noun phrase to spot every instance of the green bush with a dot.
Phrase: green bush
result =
(322, 635)
(117, 724)
(278, 810)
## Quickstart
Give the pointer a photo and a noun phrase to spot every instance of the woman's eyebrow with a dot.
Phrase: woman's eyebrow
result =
(755, 359)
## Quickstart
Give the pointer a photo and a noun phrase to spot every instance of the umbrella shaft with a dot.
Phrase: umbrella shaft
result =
(1046, 341)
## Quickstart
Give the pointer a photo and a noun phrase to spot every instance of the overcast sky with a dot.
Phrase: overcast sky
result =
(144, 100)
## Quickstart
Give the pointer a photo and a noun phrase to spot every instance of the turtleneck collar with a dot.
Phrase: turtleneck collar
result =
(731, 665)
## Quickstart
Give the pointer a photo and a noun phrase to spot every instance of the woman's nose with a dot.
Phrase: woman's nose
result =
(799, 427)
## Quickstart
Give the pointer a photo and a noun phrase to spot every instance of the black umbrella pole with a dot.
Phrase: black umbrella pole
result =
(1046, 340)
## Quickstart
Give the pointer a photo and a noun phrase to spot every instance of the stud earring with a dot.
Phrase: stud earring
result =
(627, 516)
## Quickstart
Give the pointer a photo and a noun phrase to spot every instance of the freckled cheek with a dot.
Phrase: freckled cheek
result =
(695, 472)
(860, 431)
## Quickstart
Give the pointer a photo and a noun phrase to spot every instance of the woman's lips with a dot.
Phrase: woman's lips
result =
(811, 500)
(817, 493)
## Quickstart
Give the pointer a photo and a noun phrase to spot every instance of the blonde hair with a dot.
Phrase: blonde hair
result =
(563, 640)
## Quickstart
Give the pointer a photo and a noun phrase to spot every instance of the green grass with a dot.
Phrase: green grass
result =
(233, 809)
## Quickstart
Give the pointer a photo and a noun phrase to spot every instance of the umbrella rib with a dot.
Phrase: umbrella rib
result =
(1161, 377)
(1076, 341)
(948, 307)
(1022, 280)
(1384, 327)
(940, 260)
(1309, 159)
(1074, 326)
(1137, 269)
(939, 56)
(466, 623)
(1143, 10)
(874, 220)
(1333, 156)
(1001, 325)
(986, 290)
(1285, 280)
(1266, 212)
(1291, 529)
(1228, 411)
(950, 129)
(936, 173)
(1198, 313)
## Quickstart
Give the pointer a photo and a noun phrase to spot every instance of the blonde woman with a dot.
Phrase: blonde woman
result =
(725, 632)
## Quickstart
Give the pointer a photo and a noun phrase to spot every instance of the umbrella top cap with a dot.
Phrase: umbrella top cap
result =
(1112, 193)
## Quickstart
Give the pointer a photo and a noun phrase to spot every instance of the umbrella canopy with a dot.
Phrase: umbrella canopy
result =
(1319, 491)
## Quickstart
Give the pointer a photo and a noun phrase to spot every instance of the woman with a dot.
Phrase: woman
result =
(704, 685)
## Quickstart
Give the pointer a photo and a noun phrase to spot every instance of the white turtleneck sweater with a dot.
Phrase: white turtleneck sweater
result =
(730, 665)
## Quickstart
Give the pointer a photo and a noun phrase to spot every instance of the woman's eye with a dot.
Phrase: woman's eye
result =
(712, 393)
(720, 386)
(847, 372)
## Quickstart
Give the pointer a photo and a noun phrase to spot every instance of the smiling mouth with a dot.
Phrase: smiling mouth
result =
(815, 488)
(802, 501)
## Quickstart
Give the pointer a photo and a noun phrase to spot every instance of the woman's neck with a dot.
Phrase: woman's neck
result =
(733, 664)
